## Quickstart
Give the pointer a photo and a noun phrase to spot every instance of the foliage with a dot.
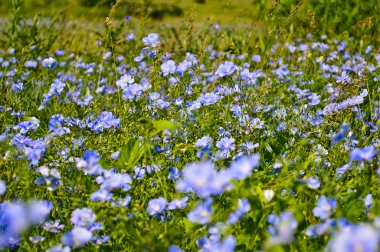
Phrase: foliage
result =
(133, 136)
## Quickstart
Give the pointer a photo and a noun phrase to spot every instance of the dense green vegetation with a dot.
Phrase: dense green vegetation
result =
(189, 125)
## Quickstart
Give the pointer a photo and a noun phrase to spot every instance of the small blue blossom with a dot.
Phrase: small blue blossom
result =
(77, 237)
(53, 227)
(225, 69)
(325, 207)
(50, 63)
(201, 214)
(178, 203)
(226, 144)
(361, 237)
(101, 195)
(156, 206)
(168, 67)
(151, 40)
(281, 228)
(243, 208)
(344, 128)
(365, 154)
(39, 210)
(242, 168)
(81, 217)
(313, 182)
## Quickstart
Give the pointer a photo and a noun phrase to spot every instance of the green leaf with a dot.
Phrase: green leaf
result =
(132, 152)
(276, 248)
(125, 152)
(354, 209)
(163, 125)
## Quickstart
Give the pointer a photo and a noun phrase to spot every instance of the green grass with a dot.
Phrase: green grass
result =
(288, 138)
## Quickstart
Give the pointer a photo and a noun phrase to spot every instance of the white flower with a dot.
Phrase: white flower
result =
(268, 195)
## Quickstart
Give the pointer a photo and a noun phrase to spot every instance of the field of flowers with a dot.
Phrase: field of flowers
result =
(151, 142)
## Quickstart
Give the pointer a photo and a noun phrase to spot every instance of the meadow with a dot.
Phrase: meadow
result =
(235, 126)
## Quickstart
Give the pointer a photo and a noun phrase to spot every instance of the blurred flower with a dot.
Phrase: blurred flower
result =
(36, 239)
(59, 248)
(3, 187)
(50, 63)
(156, 206)
(225, 69)
(101, 195)
(53, 227)
(242, 168)
(39, 209)
(201, 214)
(313, 182)
(344, 128)
(81, 217)
(281, 228)
(168, 67)
(365, 154)
(361, 237)
(89, 162)
(324, 207)
(226, 144)
(151, 40)
(77, 237)
(243, 208)
(268, 195)
(198, 177)
(178, 203)
(320, 228)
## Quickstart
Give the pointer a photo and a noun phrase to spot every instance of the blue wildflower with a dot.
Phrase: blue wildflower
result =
(168, 67)
(313, 182)
(53, 227)
(242, 208)
(101, 195)
(59, 248)
(122, 202)
(225, 69)
(209, 98)
(132, 91)
(50, 63)
(81, 217)
(242, 168)
(89, 162)
(320, 228)
(116, 181)
(344, 128)
(281, 228)
(201, 214)
(204, 142)
(174, 248)
(365, 154)
(115, 155)
(125, 80)
(50, 177)
(151, 40)
(77, 237)
(226, 144)
(178, 203)
(198, 177)
(38, 210)
(156, 206)
(361, 237)
(325, 207)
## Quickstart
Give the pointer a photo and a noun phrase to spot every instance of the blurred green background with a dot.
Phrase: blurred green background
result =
(248, 25)
(324, 16)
